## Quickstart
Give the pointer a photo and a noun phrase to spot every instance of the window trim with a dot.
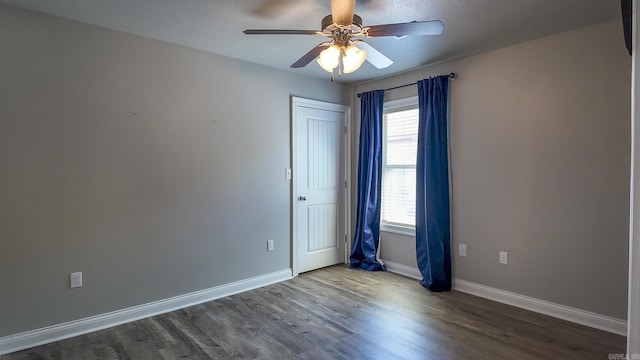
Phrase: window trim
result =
(393, 106)
(397, 229)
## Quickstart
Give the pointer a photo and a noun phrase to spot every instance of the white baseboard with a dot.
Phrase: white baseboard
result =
(404, 270)
(563, 312)
(69, 329)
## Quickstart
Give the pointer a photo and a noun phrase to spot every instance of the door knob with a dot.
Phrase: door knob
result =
(302, 198)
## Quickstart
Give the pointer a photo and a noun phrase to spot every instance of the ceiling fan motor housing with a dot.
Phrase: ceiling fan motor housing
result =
(327, 21)
(341, 34)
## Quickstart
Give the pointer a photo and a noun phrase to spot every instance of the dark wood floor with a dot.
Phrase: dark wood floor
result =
(337, 313)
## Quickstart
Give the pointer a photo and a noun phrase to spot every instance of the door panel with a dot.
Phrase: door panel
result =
(322, 227)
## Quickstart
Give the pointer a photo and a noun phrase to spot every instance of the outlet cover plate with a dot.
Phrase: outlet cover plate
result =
(504, 257)
(269, 245)
(75, 279)
(462, 250)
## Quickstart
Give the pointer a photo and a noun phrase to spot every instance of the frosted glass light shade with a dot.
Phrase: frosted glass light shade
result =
(353, 58)
(329, 58)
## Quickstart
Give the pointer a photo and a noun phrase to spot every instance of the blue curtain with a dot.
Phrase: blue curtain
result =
(367, 234)
(433, 245)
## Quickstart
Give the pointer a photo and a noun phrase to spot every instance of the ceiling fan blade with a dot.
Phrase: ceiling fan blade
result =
(434, 27)
(308, 57)
(375, 57)
(342, 11)
(279, 32)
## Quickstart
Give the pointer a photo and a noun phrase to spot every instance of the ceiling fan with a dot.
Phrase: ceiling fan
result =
(345, 50)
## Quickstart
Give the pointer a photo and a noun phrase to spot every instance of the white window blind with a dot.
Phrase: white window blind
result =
(400, 141)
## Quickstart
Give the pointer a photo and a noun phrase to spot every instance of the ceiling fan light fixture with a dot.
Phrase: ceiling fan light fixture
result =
(353, 59)
(329, 58)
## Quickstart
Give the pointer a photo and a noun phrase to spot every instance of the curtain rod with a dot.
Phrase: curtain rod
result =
(451, 76)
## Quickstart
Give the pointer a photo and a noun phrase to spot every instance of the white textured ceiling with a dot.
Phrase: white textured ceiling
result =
(471, 26)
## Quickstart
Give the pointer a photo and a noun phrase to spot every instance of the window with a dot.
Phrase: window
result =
(399, 151)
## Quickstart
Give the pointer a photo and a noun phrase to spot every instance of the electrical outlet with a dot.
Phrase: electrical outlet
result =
(462, 250)
(75, 279)
(269, 245)
(504, 257)
(287, 174)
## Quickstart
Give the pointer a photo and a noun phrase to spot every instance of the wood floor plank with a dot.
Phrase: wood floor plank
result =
(339, 313)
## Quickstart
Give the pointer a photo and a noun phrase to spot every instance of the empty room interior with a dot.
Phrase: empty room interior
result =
(265, 179)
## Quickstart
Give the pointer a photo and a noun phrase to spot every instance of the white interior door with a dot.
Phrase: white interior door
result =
(319, 174)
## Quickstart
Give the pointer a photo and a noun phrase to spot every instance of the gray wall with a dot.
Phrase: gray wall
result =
(155, 169)
(540, 154)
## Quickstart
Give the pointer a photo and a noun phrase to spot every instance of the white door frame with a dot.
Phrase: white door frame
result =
(633, 314)
(296, 103)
